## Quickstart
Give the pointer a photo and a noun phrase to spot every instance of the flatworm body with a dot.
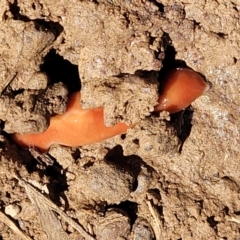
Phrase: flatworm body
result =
(78, 127)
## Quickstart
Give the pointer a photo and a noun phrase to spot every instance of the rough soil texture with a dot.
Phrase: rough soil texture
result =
(169, 177)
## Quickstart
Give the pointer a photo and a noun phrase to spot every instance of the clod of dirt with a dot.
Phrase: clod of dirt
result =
(35, 110)
(158, 140)
(133, 44)
(128, 49)
(125, 99)
(22, 49)
(35, 81)
(63, 155)
(101, 182)
(153, 136)
(114, 225)
(55, 98)
(23, 114)
(142, 230)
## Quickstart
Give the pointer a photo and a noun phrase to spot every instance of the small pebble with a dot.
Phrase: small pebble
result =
(12, 210)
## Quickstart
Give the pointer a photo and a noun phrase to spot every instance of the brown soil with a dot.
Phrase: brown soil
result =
(170, 177)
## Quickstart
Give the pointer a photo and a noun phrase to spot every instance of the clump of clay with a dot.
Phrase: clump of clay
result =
(63, 155)
(29, 112)
(101, 182)
(55, 98)
(22, 50)
(23, 114)
(125, 99)
(151, 137)
(114, 225)
(23, 46)
(142, 230)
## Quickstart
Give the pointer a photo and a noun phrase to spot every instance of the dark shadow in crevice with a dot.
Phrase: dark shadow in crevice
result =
(169, 63)
(181, 121)
(131, 163)
(146, 75)
(54, 27)
(222, 35)
(60, 70)
(212, 223)
(196, 25)
(236, 213)
(15, 10)
(226, 211)
(166, 44)
(159, 5)
(57, 184)
(128, 207)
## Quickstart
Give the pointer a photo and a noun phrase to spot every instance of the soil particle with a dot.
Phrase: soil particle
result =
(12, 210)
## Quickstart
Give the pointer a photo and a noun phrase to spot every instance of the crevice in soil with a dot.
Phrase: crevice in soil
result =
(54, 27)
(129, 207)
(180, 121)
(212, 223)
(15, 10)
(60, 70)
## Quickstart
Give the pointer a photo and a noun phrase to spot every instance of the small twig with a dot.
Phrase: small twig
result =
(233, 219)
(41, 157)
(44, 200)
(7, 221)
(156, 221)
